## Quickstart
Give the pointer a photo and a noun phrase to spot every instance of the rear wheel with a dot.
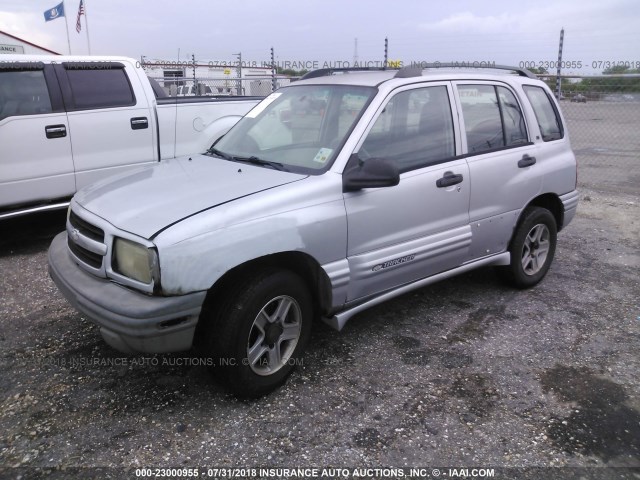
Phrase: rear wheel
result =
(532, 248)
(257, 333)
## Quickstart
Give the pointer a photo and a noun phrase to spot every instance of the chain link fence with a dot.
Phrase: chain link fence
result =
(603, 117)
(227, 86)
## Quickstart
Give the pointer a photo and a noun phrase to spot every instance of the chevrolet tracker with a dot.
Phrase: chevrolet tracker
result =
(333, 194)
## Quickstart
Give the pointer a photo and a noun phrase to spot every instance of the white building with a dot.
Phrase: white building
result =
(12, 44)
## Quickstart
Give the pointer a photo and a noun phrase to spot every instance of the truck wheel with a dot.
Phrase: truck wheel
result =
(259, 332)
(532, 248)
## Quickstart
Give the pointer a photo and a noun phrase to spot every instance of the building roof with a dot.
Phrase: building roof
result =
(28, 43)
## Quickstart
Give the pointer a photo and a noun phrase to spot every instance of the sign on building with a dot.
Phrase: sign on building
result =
(11, 48)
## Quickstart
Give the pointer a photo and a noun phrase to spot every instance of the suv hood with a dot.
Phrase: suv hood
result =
(145, 201)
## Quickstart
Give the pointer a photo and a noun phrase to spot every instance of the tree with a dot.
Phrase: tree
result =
(539, 70)
(595, 86)
(291, 72)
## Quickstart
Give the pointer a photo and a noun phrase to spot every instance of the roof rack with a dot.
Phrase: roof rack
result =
(415, 71)
(324, 72)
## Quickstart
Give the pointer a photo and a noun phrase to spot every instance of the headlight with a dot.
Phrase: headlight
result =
(133, 260)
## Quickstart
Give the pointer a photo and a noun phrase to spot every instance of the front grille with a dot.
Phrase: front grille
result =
(86, 243)
(86, 229)
(88, 257)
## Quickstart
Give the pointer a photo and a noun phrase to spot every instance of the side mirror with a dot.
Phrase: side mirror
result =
(372, 173)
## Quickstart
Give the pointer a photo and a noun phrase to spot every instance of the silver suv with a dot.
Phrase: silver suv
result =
(334, 194)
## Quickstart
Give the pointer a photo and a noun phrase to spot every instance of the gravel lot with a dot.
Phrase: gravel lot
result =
(465, 373)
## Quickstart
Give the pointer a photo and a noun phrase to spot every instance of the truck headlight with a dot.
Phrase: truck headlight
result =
(134, 260)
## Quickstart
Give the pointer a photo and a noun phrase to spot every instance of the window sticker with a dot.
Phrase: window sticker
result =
(323, 155)
(257, 110)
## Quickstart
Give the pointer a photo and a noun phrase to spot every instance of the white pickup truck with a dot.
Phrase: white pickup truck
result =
(66, 122)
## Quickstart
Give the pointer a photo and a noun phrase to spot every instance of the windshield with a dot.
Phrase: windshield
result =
(301, 128)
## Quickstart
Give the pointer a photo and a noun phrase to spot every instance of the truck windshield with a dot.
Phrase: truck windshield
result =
(301, 128)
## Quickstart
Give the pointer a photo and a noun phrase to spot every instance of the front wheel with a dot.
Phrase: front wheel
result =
(532, 248)
(258, 332)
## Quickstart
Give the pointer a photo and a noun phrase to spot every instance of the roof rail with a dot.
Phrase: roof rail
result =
(416, 70)
(324, 72)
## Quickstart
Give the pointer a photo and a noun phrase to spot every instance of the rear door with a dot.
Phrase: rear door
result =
(502, 162)
(109, 119)
(421, 226)
(36, 163)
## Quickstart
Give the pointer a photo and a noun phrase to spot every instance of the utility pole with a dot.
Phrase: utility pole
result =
(239, 73)
(273, 71)
(386, 53)
(558, 70)
(193, 65)
(355, 53)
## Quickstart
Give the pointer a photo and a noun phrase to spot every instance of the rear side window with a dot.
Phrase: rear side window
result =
(515, 130)
(546, 113)
(100, 88)
(23, 93)
(492, 118)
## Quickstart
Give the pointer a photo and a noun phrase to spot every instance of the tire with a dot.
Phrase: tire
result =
(257, 333)
(532, 248)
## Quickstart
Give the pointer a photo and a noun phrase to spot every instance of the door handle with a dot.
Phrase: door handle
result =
(526, 161)
(55, 131)
(138, 123)
(448, 179)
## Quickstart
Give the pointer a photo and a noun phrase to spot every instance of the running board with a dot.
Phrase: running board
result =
(28, 210)
(339, 320)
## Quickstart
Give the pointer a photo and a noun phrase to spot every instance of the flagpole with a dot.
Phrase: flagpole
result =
(86, 21)
(66, 25)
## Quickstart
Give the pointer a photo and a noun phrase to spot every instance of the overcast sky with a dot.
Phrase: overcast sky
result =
(502, 31)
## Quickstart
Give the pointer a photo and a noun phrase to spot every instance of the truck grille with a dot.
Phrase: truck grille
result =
(86, 243)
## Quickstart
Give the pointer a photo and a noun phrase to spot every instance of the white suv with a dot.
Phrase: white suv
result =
(333, 194)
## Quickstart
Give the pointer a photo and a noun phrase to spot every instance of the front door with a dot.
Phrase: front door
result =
(420, 227)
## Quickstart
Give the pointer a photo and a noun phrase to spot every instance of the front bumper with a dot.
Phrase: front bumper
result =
(129, 321)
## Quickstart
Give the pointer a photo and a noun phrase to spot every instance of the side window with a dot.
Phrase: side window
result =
(482, 118)
(23, 93)
(415, 129)
(492, 118)
(100, 88)
(515, 130)
(546, 114)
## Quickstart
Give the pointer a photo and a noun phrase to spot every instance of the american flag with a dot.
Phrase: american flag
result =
(80, 13)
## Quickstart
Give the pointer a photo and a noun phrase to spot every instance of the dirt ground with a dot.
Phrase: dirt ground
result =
(464, 373)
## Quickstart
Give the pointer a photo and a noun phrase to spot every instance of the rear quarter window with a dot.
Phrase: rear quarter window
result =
(546, 113)
(100, 88)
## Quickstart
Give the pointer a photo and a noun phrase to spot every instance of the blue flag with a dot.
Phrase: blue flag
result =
(55, 12)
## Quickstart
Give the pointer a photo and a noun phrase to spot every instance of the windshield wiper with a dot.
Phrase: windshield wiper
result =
(252, 159)
(259, 161)
(220, 154)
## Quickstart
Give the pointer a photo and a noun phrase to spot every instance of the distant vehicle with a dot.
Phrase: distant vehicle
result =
(191, 91)
(579, 98)
(66, 122)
